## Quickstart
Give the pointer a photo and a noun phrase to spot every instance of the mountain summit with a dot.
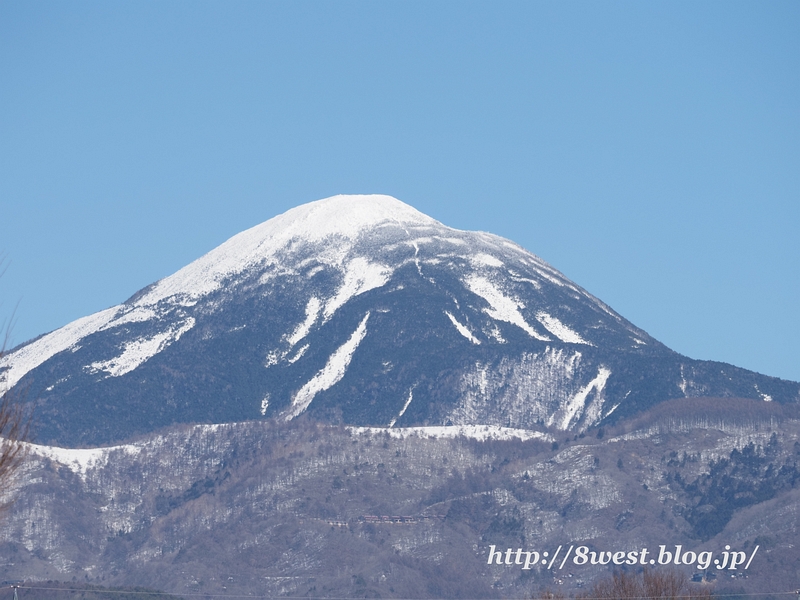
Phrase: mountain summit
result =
(359, 310)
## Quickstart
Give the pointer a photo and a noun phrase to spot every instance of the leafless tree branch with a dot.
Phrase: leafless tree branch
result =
(15, 425)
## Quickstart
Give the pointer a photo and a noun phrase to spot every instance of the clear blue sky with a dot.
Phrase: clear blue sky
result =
(649, 150)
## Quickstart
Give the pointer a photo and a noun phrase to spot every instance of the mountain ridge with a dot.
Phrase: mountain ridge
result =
(305, 508)
(363, 311)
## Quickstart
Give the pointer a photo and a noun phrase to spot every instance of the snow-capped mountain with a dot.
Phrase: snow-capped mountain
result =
(359, 310)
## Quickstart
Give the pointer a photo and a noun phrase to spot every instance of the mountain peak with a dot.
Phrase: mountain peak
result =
(349, 215)
(359, 310)
(338, 218)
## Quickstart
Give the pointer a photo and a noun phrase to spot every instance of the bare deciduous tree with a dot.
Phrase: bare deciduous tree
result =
(650, 584)
(14, 432)
(15, 428)
(647, 585)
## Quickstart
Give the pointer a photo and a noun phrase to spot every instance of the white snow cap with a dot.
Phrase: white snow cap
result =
(347, 215)
(343, 216)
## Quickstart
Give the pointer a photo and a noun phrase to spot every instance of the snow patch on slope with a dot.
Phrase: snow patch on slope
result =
(139, 314)
(462, 329)
(298, 355)
(330, 374)
(764, 397)
(485, 260)
(138, 351)
(403, 410)
(34, 354)
(80, 460)
(561, 331)
(502, 308)
(360, 276)
(312, 312)
(576, 407)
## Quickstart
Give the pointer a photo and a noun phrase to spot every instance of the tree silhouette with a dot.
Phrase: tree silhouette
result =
(15, 427)
(646, 585)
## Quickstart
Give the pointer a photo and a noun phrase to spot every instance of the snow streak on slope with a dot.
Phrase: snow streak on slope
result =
(330, 374)
(485, 260)
(34, 354)
(403, 410)
(561, 331)
(462, 329)
(312, 311)
(502, 307)
(140, 350)
(139, 314)
(576, 407)
(360, 276)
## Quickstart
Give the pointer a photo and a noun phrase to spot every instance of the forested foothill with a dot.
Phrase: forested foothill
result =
(307, 509)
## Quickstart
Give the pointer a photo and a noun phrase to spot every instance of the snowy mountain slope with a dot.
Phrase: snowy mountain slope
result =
(359, 310)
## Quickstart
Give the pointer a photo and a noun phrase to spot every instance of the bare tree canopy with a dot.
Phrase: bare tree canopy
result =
(14, 432)
(645, 585)
(15, 427)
